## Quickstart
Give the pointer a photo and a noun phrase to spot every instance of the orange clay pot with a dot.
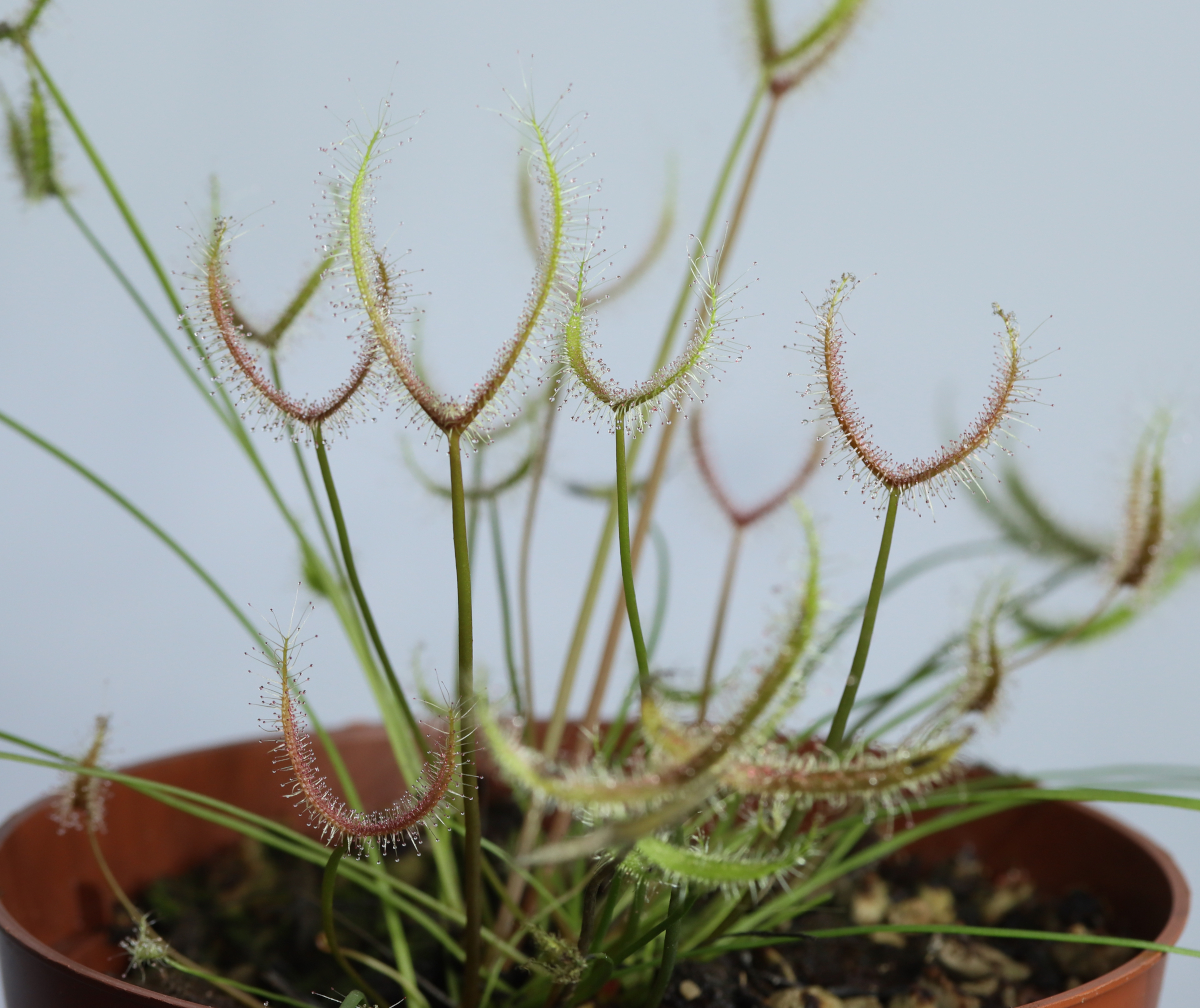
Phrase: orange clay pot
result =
(54, 907)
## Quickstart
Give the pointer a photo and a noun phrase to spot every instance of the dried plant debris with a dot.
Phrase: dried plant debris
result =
(889, 970)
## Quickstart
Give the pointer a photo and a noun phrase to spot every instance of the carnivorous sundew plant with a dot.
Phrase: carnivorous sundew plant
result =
(706, 814)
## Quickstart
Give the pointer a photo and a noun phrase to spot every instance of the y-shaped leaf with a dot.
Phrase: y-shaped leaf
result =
(732, 870)
(585, 374)
(374, 281)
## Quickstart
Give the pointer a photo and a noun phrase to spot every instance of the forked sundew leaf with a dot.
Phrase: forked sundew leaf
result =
(592, 788)
(371, 280)
(868, 775)
(623, 833)
(713, 869)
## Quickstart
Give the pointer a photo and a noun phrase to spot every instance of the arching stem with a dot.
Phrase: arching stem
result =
(631, 607)
(305, 477)
(473, 833)
(583, 621)
(339, 522)
(327, 885)
(714, 645)
(836, 740)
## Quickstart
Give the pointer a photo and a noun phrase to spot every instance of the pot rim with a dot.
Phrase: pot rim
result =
(1143, 961)
(43, 951)
(1181, 900)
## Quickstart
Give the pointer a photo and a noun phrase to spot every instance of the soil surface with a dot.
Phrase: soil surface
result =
(888, 970)
(253, 914)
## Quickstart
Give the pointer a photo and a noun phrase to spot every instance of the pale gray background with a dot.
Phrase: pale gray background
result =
(1041, 155)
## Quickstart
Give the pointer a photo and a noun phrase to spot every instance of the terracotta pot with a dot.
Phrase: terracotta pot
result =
(54, 908)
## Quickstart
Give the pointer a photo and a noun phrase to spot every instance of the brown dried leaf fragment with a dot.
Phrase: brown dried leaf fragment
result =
(80, 803)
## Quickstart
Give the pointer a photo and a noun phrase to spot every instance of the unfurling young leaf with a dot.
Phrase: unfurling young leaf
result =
(30, 145)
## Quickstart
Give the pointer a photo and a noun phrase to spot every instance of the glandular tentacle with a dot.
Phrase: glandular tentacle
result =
(227, 343)
(425, 801)
(379, 299)
(960, 461)
(585, 376)
(875, 776)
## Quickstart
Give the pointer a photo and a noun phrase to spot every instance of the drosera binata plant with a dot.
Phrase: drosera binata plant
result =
(344, 828)
(721, 813)
(958, 463)
(340, 825)
(629, 409)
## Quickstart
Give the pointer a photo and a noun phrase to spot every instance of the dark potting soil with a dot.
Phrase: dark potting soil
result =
(253, 914)
(889, 970)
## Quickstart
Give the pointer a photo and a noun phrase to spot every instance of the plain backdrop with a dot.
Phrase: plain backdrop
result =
(1043, 156)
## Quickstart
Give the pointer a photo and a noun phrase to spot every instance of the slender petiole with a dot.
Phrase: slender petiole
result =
(473, 828)
(309, 489)
(328, 881)
(583, 620)
(714, 644)
(339, 522)
(473, 499)
(616, 730)
(510, 659)
(662, 555)
(670, 947)
(631, 607)
(836, 739)
(524, 555)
